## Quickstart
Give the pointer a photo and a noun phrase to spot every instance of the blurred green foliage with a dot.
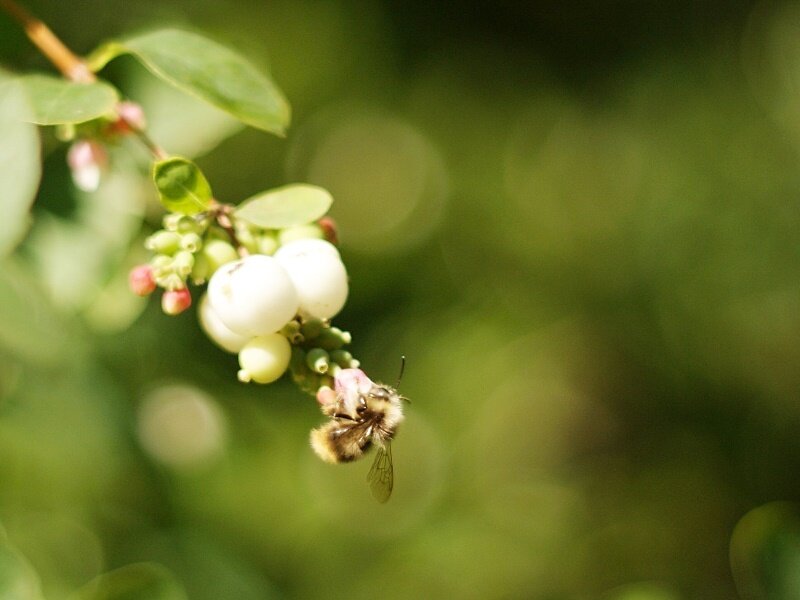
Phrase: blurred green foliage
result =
(578, 222)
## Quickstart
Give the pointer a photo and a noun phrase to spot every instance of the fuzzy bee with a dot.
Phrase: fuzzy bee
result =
(363, 414)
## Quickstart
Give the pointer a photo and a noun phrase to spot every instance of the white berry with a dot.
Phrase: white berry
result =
(265, 358)
(217, 331)
(253, 296)
(305, 247)
(318, 275)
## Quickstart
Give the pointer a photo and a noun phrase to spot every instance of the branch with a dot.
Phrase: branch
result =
(72, 67)
(66, 61)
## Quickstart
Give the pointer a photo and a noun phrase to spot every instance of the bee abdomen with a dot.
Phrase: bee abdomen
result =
(335, 444)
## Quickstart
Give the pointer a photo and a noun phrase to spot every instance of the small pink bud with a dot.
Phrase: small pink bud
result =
(352, 379)
(326, 395)
(131, 118)
(141, 280)
(86, 160)
(350, 384)
(329, 230)
(174, 302)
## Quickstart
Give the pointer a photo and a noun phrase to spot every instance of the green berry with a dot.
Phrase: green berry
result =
(191, 242)
(162, 265)
(267, 243)
(311, 328)
(300, 232)
(218, 253)
(264, 359)
(344, 359)
(171, 281)
(171, 221)
(318, 360)
(183, 263)
(163, 242)
(292, 332)
(201, 270)
(192, 225)
(332, 338)
(246, 237)
(297, 363)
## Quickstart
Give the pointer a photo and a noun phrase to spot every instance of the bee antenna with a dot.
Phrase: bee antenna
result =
(402, 370)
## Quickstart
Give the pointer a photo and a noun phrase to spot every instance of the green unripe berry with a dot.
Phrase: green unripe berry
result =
(246, 237)
(264, 359)
(163, 242)
(215, 233)
(162, 265)
(191, 242)
(192, 225)
(171, 220)
(171, 281)
(183, 263)
(267, 243)
(201, 270)
(332, 338)
(318, 360)
(218, 253)
(311, 328)
(297, 363)
(300, 232)
(344, 359)
(292, 332)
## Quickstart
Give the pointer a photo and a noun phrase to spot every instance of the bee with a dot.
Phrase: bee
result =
(363, 414)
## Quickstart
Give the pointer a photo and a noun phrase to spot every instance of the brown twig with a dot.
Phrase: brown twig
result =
(66, 61)
(222, 215)
(47, 42)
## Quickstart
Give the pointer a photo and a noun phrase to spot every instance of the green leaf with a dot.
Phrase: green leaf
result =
(286, 206)
(205, 69)
(141, 581)
(20, 167)
(182, 186)
(173, 116)
(58, 101)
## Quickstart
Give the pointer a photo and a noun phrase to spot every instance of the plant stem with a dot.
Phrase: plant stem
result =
(65, 60)
(48, 43)
(222, 215)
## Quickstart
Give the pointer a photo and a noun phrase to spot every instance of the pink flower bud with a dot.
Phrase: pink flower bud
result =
(349, 385)
(86, 160)
(132, 112)
(326, 396)
(141, 280)
(174, 302)
(131, 118)
(329, 230)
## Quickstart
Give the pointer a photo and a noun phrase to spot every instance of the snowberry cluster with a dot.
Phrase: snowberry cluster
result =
(272, 306)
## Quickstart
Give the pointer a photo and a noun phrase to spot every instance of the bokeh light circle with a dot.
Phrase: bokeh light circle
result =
(181, 426)
(388, 180)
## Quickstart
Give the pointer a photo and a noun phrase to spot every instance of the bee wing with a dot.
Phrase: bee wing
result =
(381, 474)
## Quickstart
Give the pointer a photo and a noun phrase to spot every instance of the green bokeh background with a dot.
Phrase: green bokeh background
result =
(579, 223)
